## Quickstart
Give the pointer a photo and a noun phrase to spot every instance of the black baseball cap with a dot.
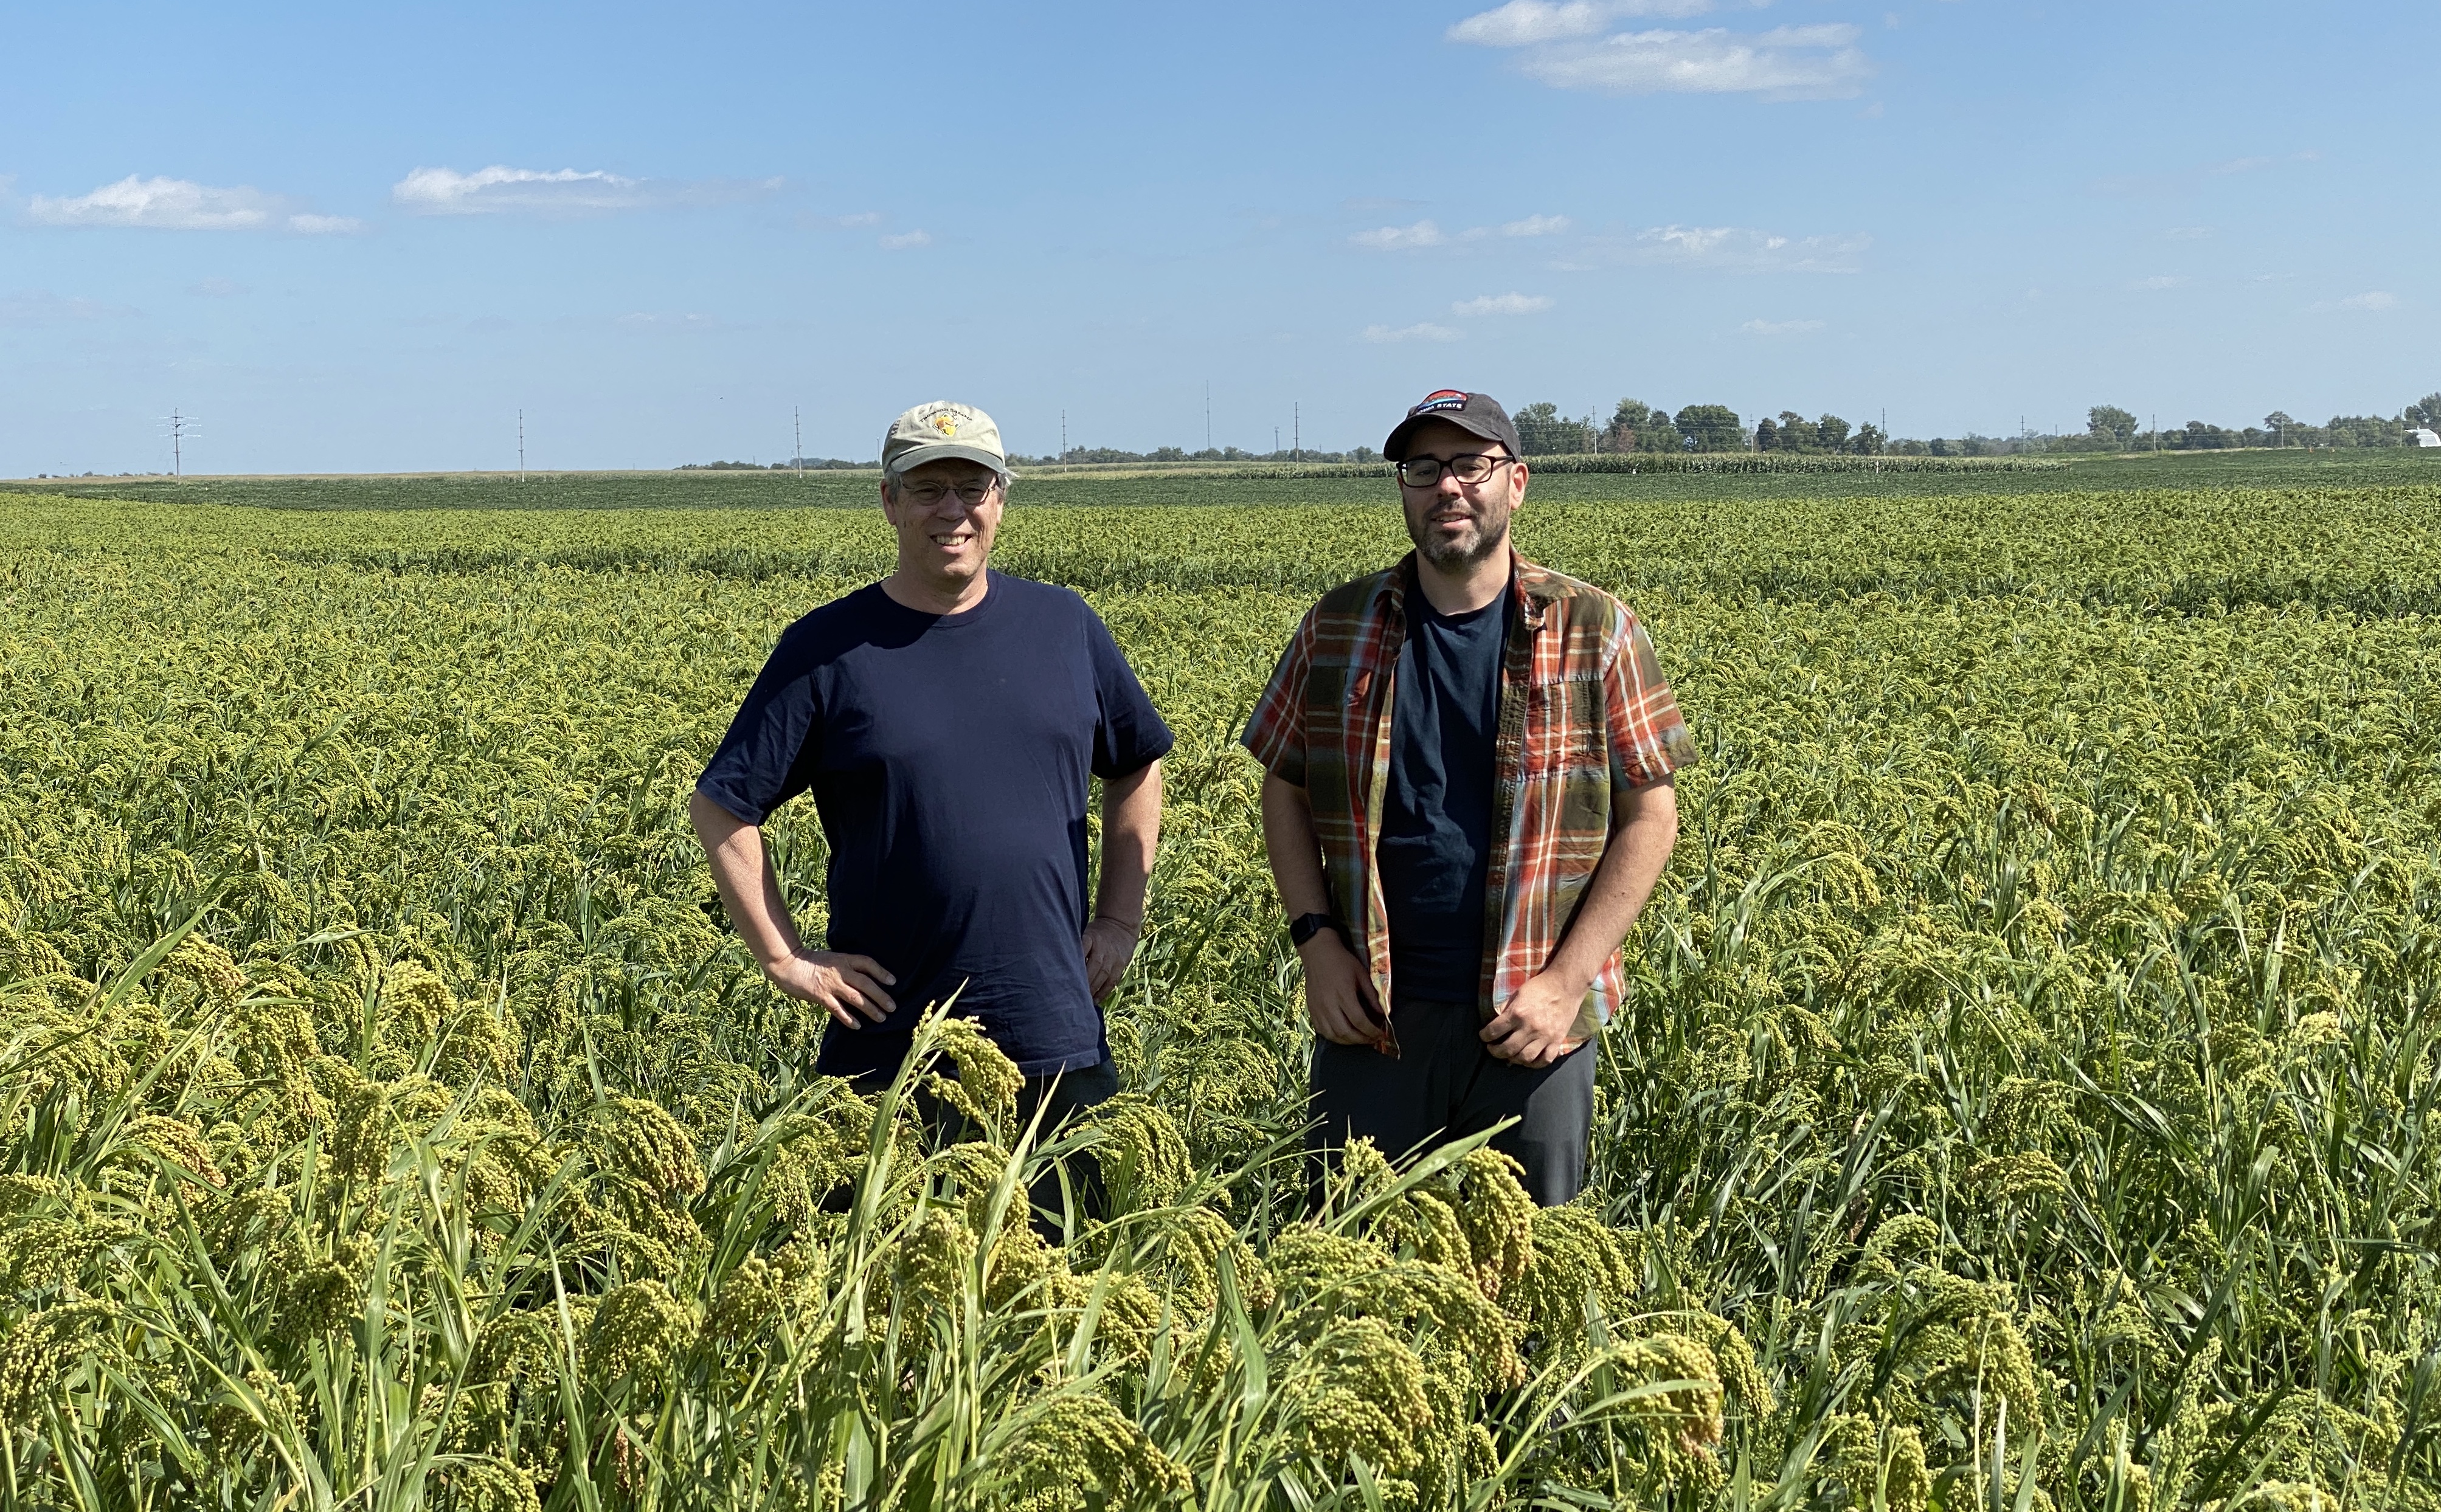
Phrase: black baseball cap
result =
(1475, 414)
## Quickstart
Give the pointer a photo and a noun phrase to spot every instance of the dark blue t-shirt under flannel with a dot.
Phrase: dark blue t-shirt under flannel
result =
(949, 757)
(1435, 840)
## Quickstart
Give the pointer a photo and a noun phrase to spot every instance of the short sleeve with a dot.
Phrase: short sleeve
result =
(1648, 735)
(1275, 734)
(1130, 735)
(769, 755)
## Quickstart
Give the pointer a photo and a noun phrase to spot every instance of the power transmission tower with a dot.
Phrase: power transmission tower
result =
(521, 446)
(1207, 414)
(1063, 435)
(180, 428)
(796, 416)
(1296, 429)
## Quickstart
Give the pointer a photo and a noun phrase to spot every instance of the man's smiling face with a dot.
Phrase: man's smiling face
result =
(944, 534)
(1457, 525)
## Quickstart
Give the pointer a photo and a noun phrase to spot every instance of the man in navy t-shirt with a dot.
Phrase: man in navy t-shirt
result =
(947, 720)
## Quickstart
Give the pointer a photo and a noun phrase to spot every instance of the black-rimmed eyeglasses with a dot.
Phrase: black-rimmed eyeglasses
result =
(1467, 467)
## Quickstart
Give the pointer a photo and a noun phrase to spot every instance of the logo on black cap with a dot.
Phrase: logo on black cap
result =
(1439, 399)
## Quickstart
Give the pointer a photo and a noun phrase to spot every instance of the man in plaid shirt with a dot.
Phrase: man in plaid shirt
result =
(1467, 802)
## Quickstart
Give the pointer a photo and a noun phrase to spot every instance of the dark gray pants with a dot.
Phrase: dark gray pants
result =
(1445, 1086)
(1063, 1099)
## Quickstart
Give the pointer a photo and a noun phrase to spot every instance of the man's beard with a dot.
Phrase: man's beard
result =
(1454, 556)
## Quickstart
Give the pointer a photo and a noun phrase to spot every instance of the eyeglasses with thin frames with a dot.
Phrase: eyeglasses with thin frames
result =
(1467, 467)
(924, 496)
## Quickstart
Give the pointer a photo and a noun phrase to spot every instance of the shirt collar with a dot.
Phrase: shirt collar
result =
(1531, 586)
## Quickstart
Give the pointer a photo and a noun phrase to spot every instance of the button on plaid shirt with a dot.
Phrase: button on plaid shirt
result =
(1585, 716)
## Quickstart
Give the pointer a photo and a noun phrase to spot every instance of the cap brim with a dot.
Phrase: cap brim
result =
(946, 452)
(1395, 449)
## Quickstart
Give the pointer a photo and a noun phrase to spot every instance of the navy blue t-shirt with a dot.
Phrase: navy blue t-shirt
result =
(949, 757)
(1435, 840)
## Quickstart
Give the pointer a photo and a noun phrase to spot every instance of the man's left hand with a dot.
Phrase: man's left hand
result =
(1109, 946)
(1532, 1030)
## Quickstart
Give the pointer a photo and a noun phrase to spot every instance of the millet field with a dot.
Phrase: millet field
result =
(2022, 1106)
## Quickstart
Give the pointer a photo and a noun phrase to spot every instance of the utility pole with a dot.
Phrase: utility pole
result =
(1296, 430)
(2157, 433)
(181, 427)
(797, 416)
(1276, 440)
(1063, 435)
(1207, 414)
(521, 446)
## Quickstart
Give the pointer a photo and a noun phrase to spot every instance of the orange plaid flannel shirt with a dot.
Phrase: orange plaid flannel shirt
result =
(1585, 716)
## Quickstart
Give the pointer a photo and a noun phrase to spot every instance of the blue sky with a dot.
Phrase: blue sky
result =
(360, 239)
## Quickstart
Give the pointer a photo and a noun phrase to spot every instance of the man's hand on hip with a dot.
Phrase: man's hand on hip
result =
(1108, 945)
(1533, 1030)
(845, 984)
(1339, 997)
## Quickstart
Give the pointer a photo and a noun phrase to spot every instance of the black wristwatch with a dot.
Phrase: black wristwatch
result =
(1306, 926)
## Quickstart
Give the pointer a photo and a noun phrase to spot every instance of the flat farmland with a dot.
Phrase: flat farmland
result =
(2021, 1104)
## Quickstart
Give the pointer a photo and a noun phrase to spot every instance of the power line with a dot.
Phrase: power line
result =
(180, 428)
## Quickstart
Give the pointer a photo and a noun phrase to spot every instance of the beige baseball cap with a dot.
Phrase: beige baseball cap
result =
(938, 431)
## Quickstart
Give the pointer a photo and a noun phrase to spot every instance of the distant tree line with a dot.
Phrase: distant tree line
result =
(1636, 427)
(1077, 455)
(810, 464)
(2111, 428)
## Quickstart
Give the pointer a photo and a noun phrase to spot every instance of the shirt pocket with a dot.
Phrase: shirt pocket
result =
(1565, 730)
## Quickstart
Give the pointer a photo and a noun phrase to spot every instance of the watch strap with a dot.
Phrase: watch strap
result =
(1306, 926)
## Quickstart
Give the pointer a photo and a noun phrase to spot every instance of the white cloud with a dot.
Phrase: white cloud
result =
(1526, 23)
(907, 239)
(1422, 331)
(216, 288)
(1400, 238)
(1536, 225)
(2188, 233)
(2371, 299)
(561, 191)
(861, 218)
(41, 307)
(2247, 165)
(2158, 280)
(1780, 328)
(182, 205)
(1503, 304)
(1786, 62)
(1731, 248)
(1564, 47)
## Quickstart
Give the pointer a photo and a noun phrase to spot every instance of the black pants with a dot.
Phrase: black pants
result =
(1444, 1085)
